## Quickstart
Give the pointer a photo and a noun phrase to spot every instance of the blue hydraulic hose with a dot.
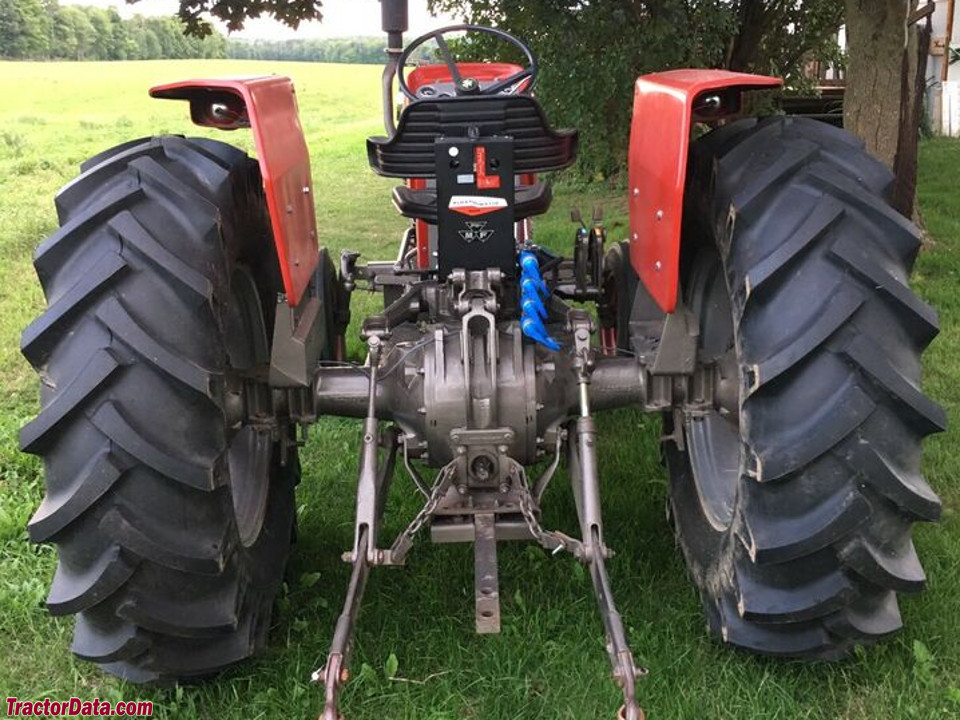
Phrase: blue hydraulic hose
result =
(530, 272)
(534, 312)
(534, 329)
(533, 307)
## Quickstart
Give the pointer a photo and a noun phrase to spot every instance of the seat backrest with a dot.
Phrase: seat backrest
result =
(410, 152)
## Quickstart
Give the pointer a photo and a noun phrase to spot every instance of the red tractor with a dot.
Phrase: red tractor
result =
(760, 306)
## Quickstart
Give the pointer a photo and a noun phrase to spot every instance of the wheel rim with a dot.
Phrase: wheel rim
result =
(713, 436)
(250, 448)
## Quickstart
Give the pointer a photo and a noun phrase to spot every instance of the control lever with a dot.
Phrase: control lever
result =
(577, 217)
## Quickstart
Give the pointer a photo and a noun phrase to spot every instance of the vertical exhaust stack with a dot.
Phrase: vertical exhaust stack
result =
(395, 22)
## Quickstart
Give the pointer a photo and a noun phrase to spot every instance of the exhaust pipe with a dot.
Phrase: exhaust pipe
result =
(395, 22)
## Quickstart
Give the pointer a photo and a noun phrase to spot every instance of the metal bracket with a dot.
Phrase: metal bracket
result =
(677, 354)
(404, 309)
(477, 303)
(485, 574)
(297, 343)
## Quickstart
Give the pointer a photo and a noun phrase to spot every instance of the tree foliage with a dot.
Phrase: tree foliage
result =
(25, 28)
(591, 51)
(235, 12)
(359, 50)
(35, 30)
(44, 30)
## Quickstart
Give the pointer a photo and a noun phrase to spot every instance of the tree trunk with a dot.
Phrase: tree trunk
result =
(873, 100)
(753, 22)
(908, 147)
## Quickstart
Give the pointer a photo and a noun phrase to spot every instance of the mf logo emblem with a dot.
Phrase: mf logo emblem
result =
(476, 232)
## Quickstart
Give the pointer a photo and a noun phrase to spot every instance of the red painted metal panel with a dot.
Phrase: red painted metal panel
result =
(663, 112)
(268, 106)
(484, 72)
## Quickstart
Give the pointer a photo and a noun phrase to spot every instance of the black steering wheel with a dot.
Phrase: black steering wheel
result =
(468, 86)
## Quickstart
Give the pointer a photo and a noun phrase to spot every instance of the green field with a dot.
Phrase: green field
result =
(549, 661)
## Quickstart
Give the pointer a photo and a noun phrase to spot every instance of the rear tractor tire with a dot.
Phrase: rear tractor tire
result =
(793, 503)
(172, 512)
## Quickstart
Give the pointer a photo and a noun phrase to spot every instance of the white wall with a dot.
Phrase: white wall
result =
(943, 99)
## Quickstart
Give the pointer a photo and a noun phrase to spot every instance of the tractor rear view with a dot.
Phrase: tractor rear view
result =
(760, 306)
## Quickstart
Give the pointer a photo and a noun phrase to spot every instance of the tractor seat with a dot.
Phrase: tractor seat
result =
(530, 200)
(410, 152)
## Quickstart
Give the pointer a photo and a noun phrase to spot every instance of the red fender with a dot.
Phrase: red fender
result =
(268, 106)
(665, 107)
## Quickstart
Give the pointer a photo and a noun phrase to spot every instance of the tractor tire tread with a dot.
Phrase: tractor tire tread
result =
(136, 279)
(829, 338)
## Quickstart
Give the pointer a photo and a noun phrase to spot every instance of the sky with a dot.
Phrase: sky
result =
(341, 18)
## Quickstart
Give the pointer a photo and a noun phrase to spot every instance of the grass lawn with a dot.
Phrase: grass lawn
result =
(549, 661)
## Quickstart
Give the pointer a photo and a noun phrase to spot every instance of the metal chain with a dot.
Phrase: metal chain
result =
(401, 546)
(554, 541)
(436, 495)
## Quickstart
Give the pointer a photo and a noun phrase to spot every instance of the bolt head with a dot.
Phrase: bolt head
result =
(659, 215)
(636, 191)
